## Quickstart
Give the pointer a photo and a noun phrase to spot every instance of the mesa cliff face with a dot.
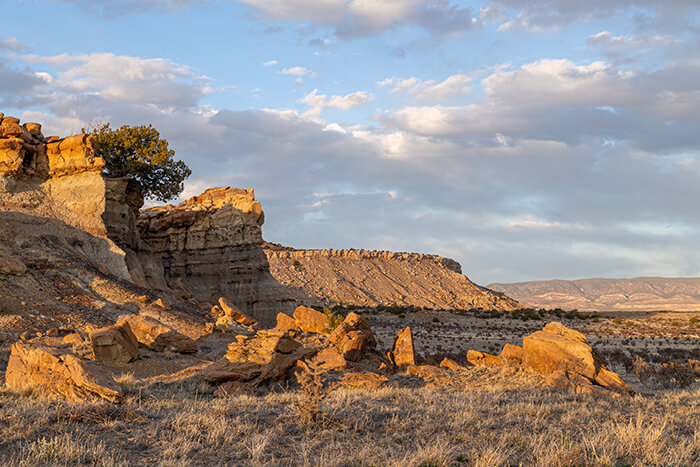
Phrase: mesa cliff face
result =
(641, 293)
(213, 243)
(371, 278)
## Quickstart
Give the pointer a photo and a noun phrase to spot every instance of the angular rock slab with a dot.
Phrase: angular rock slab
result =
(311, 321)
(62, 374)
(115, 344)
(157, 336)
(477, 358)
(403, 352)
(232, 312)
(353, 337)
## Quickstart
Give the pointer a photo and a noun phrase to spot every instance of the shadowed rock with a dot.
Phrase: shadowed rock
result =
(157, 336)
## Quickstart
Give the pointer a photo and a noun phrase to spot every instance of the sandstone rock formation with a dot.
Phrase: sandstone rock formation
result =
(115, 344)
(310, 320)
(60, 374)
(477, 358)
(638, 294)
(232, 313)
(353, 338)
(157, 336)
(213, 244)
(403, 352)
(565, 353)
(371, 278)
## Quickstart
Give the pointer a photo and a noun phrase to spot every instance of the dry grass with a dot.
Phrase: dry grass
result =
(504, 421)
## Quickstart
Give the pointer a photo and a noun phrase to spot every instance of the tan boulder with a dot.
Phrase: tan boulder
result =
(73, 338)
(403, 352)
(286, 323)
(451, 364)
(477, 358)
(363, 380)
(353, 337)
(312, 321)
(511, 355)
(157, 336)
(330, 359)
(115, 344)
(558, 349)
(11, 155)
(11, 266)
(10, 128)
(232, 312)
(61, 374)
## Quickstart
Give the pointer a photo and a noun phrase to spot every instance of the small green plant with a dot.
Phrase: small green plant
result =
(617, 321)
(334, 320)
(693, 321)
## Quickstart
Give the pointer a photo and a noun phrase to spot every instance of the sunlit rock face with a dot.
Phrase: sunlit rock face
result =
(213, 243)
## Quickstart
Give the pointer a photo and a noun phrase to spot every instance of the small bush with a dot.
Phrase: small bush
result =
(669, 375)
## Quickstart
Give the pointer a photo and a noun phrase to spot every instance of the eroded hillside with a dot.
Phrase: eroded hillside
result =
(371, 278)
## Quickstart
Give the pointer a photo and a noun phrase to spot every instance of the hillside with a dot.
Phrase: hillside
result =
(641, 293)
(359, 277)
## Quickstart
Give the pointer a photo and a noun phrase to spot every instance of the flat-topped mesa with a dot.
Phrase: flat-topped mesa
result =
(213, 243)
(354, 254)
(372, 278)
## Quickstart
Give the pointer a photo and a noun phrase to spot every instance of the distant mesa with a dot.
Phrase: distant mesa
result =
(638, 294)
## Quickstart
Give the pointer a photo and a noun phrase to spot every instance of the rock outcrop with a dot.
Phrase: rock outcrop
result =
(157, 336)
(213, 243)
(115, 344)
(371, 278)
(60, 374)
(403, 352)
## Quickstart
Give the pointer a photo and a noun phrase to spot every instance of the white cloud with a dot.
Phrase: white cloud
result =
(297, 71)
(606, 39)
(270, 63)
(11, 44)
(318, 102)
(430, 90)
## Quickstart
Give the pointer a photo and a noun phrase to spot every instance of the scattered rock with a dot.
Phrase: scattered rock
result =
(12, 266)
(451, 364)
(233, 313)
(330, 359)
(61, 374)
(312, 321)
(74, 338)
(163, 303)
(157, 336)
(403, 352)
(115, 344)
(477, 358)
(286, 323)
(428, 373)
(353, 337)
(511, 355)
(365, 380)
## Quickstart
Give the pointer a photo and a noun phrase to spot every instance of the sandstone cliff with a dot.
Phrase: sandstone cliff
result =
(213, 243)
(370, 278)
(641, 293)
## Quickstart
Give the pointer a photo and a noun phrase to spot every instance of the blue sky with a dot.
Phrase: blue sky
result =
(526, 139)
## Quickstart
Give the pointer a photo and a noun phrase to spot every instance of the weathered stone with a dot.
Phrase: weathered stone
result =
(366, 380)
(163, 303)
(428, 373)
(232, 312)
(12, 266)
(286, 323)
(511, 355)
(115, 344)
(11, 155)
(61, 374)
(403, 352)
(157, 336)
(451, 364)
(310, 320)
(559, 350)
(353, 337)
(477, 358)
(73, 338)
(330, 359)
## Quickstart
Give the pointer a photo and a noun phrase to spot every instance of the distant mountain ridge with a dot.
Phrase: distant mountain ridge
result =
(599, 294)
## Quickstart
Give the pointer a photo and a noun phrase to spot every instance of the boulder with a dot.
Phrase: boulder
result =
(477, 358)
(11, 266)
(511, 355)
(557, 349)
(115, 344)
(330, 359)
(363, 380)
(286, 323)
(73, 338)
(266, 356)
(312, 321)
(353, 337)
(451, 364)
(163, 303)
(60, 373)
(403, 352)
(157, 336)
(233, 313)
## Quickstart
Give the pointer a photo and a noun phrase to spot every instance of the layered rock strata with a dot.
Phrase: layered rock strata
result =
(213, 243)
(371, 278)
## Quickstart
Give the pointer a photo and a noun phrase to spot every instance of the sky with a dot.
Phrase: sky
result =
(527, 139)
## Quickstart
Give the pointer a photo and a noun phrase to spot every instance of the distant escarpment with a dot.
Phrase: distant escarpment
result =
(371, 278)
(213, 244)
(638, 294)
